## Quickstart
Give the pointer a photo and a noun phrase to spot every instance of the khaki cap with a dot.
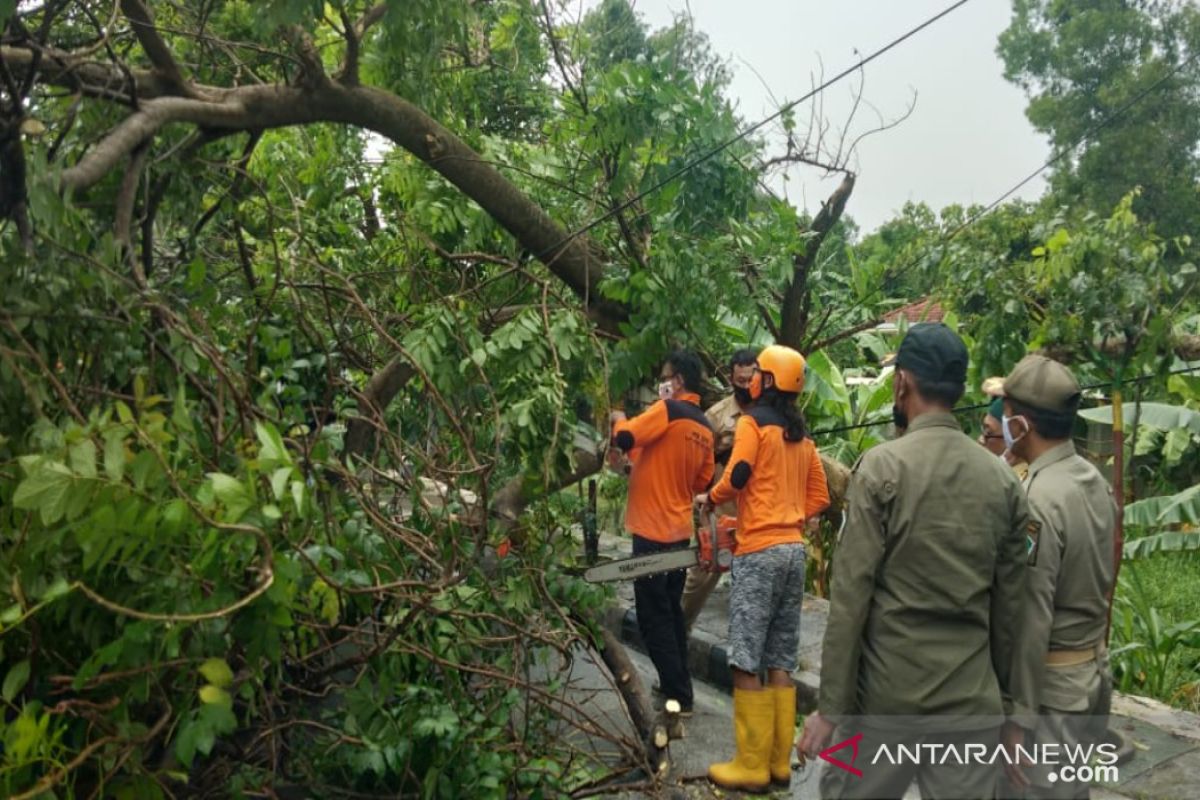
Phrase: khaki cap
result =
(1044, 384)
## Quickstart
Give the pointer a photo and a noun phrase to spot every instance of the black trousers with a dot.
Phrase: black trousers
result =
(661, 622)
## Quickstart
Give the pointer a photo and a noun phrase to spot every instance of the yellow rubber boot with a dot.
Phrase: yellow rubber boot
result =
(785, 734)
(753, 731)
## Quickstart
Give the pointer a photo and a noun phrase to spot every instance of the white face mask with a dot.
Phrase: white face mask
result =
(1009, 439)
(666, 390)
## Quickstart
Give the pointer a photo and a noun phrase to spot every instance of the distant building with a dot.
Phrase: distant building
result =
(923, 310)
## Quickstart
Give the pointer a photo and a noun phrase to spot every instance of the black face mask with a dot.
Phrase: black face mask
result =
(742, 395)
(899, 418)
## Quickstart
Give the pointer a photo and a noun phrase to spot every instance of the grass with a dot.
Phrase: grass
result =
(1173, 581)
(1170, 584)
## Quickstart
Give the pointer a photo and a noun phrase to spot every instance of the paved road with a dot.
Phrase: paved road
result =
(709, 733)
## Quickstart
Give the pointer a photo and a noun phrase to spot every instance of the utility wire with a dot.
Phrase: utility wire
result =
(557, 246)
(1066, 150)
(981, 406)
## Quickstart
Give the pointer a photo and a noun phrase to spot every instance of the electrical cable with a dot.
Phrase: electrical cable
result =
(557, 246)
(981, 406)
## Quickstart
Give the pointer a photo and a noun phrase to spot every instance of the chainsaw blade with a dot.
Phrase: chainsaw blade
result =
(641, 566)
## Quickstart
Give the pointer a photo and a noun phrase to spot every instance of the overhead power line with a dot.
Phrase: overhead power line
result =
(1054, 159)
(700, 159)
(981, 406)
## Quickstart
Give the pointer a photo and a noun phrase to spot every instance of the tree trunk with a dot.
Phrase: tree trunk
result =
(797, 299)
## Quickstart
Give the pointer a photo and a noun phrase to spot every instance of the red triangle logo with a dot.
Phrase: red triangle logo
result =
(852, 743)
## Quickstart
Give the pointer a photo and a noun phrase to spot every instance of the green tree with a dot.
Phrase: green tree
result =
(295, 343)
(1080, 62)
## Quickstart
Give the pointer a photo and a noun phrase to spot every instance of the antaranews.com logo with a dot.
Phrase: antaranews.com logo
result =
(1087, 763)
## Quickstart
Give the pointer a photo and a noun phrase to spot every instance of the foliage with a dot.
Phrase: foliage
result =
(205, 589)
(1149, 654)
(1081, 63)
(1101, 293)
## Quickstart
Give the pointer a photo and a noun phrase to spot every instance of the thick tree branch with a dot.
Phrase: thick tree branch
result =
(123, 218)
(794, 313)
(1186, 346)
(348, 74)
(380, 390)
(263, 107)
(373, 15)
(512, 498)
(844, 334)
(141, 18)
(88, 77)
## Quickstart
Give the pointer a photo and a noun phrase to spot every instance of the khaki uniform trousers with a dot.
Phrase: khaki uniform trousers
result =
(1076, 699)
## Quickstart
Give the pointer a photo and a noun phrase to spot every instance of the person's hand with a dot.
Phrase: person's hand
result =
(614, 457)
(815, 738)
(702, 501)
(812, 524)
(1012, 735)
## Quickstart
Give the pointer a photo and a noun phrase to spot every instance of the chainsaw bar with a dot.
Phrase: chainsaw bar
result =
(642, 566)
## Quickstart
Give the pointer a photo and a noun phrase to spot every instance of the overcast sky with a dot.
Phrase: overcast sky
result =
(967, 139)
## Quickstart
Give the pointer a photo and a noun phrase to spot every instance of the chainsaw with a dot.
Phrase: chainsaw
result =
(714, 552)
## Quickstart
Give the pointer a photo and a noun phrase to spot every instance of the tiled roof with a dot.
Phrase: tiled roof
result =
(925, 310)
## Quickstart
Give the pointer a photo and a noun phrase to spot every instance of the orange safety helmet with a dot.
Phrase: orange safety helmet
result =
(785, 365)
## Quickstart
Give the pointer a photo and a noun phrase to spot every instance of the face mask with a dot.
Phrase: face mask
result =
(1009, 439)
(742, 395)
(666, 390)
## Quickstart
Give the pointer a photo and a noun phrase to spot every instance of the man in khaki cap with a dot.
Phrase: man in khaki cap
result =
(927, 589)
(1062, 685)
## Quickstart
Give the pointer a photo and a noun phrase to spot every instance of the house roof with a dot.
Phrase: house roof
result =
(923, 310)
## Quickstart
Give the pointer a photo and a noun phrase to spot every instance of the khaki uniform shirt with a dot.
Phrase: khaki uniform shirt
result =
(927, 580)
(1070, 575)
(723, 417)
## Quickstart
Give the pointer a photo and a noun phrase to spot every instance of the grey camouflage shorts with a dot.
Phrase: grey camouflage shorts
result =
(764, 608)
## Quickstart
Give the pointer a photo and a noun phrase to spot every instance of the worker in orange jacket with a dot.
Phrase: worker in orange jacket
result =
(776, 475)
(674, 461)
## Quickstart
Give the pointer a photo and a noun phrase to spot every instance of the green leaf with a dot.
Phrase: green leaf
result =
(56, 590)
(7, 7)
(298, 496)
(145, 466)
(1165, 542)
(11, 614)
(15, 680)
(232, 493)
(82, 456)
(114, 458)
(46, 490)
(217, 672)
(270, 443)
(1155, 415)
(1175, 509)
(279, 479)
(199, 733)
(214, 695)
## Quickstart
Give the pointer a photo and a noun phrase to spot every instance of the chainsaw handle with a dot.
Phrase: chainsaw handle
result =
(709, 530)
